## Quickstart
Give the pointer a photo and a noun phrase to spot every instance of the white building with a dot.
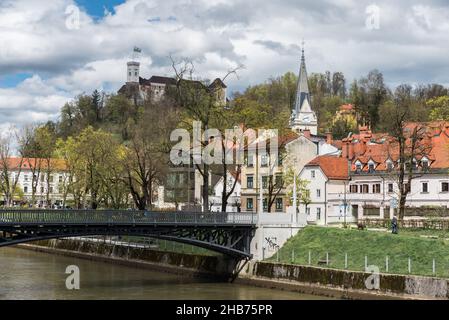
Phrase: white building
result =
(233, 204)
(327, 178)
(48, 180)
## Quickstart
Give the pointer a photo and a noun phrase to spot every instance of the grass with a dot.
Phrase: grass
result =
(375, 245)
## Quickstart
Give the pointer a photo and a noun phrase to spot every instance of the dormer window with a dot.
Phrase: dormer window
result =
(389, 165)
(358, 167)
(425, 164)
(371, 166)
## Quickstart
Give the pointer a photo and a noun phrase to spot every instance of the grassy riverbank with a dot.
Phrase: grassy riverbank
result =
(376, 246)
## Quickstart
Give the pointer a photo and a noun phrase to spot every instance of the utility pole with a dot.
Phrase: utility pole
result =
(294, 198)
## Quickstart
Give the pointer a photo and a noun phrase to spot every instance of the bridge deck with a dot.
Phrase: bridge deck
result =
(118, 217)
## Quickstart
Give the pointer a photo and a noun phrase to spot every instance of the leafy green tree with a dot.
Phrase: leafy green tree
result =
(439, 108)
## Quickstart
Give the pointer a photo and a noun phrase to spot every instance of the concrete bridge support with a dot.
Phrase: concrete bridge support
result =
(273, 230)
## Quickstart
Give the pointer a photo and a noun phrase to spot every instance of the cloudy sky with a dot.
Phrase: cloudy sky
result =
(48, 55)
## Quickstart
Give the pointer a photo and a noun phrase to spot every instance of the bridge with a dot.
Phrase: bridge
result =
(227, 233)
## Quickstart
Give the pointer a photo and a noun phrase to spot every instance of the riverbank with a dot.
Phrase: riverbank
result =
(308, 280)
(342, 284)
(187, 265)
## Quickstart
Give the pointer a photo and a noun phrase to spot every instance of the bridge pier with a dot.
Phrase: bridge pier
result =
(273, 230)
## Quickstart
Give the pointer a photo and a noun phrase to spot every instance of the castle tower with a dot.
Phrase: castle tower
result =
(303, 117)
(133, 72)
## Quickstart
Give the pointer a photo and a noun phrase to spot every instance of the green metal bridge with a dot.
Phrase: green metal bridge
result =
(227, 233)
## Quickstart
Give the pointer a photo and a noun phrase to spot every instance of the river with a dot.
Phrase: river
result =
(33, 275)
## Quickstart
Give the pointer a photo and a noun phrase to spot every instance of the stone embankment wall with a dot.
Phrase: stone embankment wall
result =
(179, 263)
(342, 283)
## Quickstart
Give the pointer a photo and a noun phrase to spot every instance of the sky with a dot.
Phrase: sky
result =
(54, 50)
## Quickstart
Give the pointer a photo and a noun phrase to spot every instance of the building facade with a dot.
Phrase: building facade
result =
(49, 178)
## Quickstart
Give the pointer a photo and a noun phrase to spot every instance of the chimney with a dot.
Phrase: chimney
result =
(347, 149)
(329, 137)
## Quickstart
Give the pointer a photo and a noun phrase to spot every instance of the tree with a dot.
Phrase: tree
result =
(198, 100)
(147, 152)
(8, 179)
(30, 151)
(407, 141)
(45, 141)
(93, 159)
(439, 108)
(367, 95)
(302, 191)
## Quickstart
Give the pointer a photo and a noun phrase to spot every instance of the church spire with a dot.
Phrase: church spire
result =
(303, 117)
(302, 92)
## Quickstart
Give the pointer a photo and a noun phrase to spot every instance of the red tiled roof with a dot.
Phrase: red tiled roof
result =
(334, 167)
(27, 163)
(380, 147)
(346, 107)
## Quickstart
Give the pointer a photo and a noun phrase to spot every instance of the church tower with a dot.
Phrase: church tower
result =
(303, 117)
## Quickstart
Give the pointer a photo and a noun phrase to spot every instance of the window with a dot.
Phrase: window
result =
(135, 73)
(308, 211)
(312, 173)
(444, 186)
(425, 187)
(42, 178)
(51, 178)
(353, 188)
(318, 193)
(425, 164)
(358, 167)
(264, 182)
(376, 188)
(318, 213)
(280, 161)
(249, 204)
(42, 189)
(365, 188)
(279, 204)
(265, 204)
(51, 189)
(60, 179)
(249, 182)
(278, 181)
(25, 177)
(264, 160)
(390, 187)
(25, 189)
(389, 165)
(371, 167)
(250, 161)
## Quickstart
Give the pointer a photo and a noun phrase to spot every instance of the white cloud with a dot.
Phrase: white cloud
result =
(410, 46)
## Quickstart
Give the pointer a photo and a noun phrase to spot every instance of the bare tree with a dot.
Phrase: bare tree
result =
(408, 141)
(10, 169)
(200, 103)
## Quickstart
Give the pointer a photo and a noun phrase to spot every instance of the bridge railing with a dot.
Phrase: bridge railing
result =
(38, 216)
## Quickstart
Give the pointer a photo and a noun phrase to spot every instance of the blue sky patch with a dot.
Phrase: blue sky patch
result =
(96, 8)
(12, 80)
